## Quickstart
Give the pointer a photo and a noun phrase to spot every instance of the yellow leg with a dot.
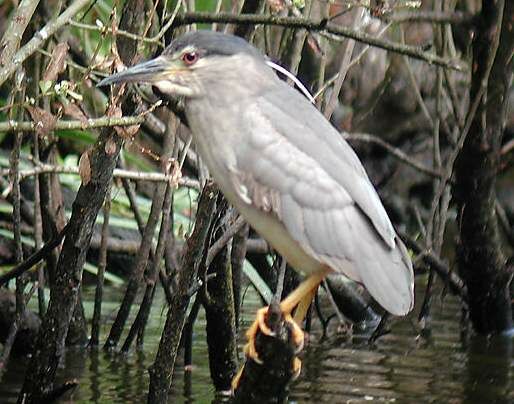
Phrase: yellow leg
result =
(237, 378)
(307, 286)
(303, 306)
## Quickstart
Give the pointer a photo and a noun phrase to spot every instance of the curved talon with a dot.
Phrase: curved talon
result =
(261, 318)
(258, 325)
(236, 379)
(251, 352)
(297, 368)
(296, 333)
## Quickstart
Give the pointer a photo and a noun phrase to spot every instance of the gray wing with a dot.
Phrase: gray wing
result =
(297, 166)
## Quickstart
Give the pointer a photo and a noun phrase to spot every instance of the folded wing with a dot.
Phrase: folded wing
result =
(314, 183)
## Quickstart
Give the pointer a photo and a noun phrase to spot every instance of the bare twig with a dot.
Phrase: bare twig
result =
(162, 370)
(396, 152)
(118, 173)
(316, 25)
(456, 284)
(14, 32)
(138, 268)
(343, 67)
(415, 88)
(14, 175)
(33, 259)
(120, 32)
(102, 264)
(40, 37)
(102, 122)
(224, 239)
(436, 17)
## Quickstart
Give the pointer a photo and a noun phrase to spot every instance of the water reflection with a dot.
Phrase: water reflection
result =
(489, 370)
(398, 368)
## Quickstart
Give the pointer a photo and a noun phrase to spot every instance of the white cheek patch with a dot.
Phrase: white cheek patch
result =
(169, 88)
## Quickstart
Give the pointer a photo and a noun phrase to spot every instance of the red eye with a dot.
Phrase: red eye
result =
(190, 58)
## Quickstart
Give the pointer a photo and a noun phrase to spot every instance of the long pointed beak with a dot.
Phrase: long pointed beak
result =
(146, 72)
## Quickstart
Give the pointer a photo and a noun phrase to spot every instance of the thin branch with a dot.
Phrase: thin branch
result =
(14, 32)
(224, 239)
(435, 17)
(118, 173)
(354, 61)
(317, 25)
(456, 284)
(40, 37)
(102, 122)
(102, 265)
(396, 152)
(120, 32)
(34, 258)
(507, 147)
(343, 67)
(415, 86)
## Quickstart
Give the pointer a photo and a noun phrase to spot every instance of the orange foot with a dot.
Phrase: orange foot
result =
(259, 325)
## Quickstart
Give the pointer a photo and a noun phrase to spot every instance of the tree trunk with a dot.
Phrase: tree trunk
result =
(63, 294)
(218, 302)
(481, 263)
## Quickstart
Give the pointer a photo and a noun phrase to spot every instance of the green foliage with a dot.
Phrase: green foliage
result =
(259, 283)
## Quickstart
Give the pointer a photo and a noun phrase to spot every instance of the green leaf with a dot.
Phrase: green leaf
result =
(257, 281)
(116, 280)
(45, 86)
(92, 269)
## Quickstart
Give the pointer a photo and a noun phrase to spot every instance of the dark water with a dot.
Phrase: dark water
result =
(399, 368)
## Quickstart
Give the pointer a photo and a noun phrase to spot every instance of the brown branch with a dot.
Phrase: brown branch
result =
(344, 66)
(162, 370)
(217, 297)
(396, 152)
(118, 32)
(456, 284)
(316, 25)
(34, 258)
(480, 255)
(103, 122)
(224, 239)
(137, 271)
(14, 175)
(102, 265)
(118, 173)
(39, 38)
(152, 273)
(14, 32)
(434, 17)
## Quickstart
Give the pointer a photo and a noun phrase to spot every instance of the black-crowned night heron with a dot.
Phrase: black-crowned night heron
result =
(283, 166)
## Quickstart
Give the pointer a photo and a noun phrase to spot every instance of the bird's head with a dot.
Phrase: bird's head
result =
(185, 65)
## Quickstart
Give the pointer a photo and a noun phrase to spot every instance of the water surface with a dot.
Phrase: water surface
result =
(400, 367)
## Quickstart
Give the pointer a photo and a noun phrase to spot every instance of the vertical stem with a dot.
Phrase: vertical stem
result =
(102, 264)
(14, 174)
(218, 302)
(141, 261)
(238, 256)
(162, 370)
(343, 68)
(153, 272)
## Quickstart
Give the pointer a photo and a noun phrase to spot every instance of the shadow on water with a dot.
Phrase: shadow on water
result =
(399, 367)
